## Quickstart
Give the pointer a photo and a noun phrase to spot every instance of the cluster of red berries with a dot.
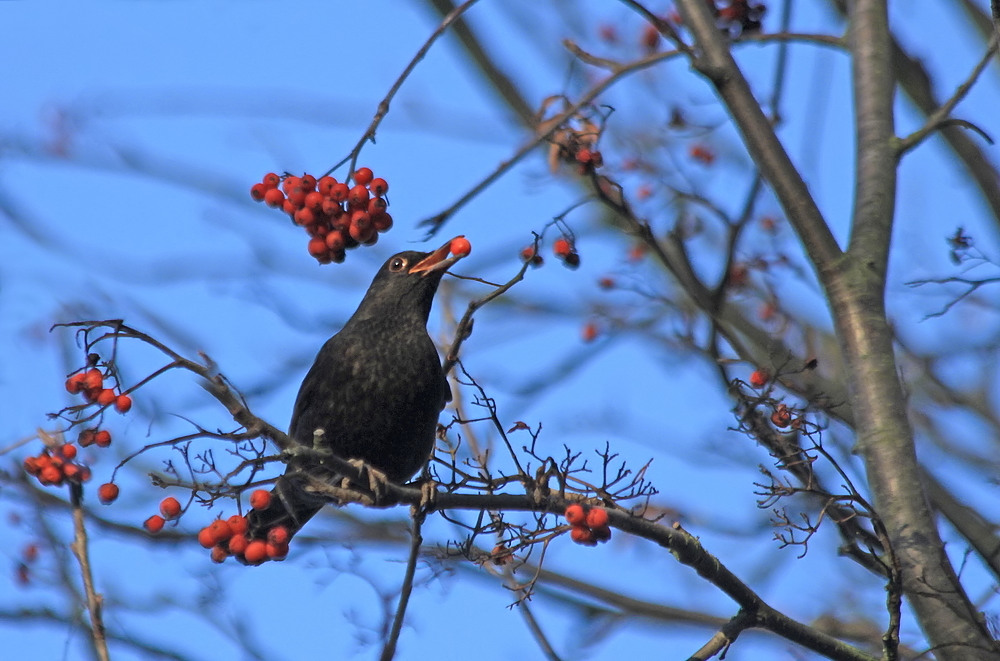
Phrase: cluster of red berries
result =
(335, 215)
(563, 248)
(90, 383)
(57, 468)
(740, 16)
(229, 537)
(589, 525)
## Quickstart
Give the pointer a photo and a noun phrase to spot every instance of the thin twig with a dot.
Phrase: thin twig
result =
(940, 117)
(389, 650)
(383, 106)
(79, 548)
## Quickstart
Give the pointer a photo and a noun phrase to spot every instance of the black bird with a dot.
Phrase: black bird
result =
(376, 389)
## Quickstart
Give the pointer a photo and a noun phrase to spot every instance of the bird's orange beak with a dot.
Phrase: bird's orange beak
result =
(437, 260)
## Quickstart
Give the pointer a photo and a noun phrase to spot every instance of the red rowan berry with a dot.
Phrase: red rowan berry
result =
(274, 198)
(317, 248)
(256, 552)
(50, 475)
(258, 191)
(108, 493)
(102, 438)
(738, 275)
(106, 396)
(237, 524)
(329, 207)
(376, 205)
(379, 187)
(562, 247)
(597, 517)
(30, 553)
(307, 183)
(170, 508)
(75, 383)
(206, 537)
(589, 332)
(340, 191)
(93, 380)
(358, 196)
(219, 554)
(291, 183)
(460, 246)
(335, 241)
(362, 232)
(528, 254)
(154, 524)
(304, 216)
(575, 514)
(123, 403)
(238, 544)
(314, 201)
(362, 219)
(276, 551)
(260, 499)
(220, 531)
(325, 185)
(297, 196)
(68, 451)
(781, 417)
(382, 222)
(759, 378)
(363, 176)
(278, 535)
(31, 466)
(702, 154)
(87, 437)
(582, 535)
(767, 311)
(650, 38)
(271, 180)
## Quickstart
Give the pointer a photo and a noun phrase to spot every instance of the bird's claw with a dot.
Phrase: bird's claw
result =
(428, 495)
(378, 483)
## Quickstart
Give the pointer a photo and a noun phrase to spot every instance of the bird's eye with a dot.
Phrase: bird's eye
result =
(397, 264)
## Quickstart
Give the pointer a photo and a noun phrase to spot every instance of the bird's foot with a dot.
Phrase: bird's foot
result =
(428, 495)
(378, 483)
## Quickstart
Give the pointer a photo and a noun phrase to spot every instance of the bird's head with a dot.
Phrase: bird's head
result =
(406, 284)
